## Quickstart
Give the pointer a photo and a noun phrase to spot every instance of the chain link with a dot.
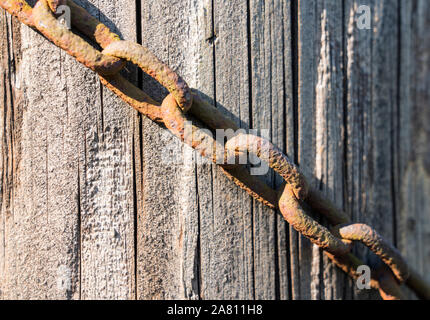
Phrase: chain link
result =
(294, 197)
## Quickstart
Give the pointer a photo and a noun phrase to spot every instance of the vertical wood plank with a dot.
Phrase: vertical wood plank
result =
(306, 103)
(372, 99)
(94, 206)
(412, 172)
(230, 239)
(271, 91)
(106, 173)
(65, 209)
(219, 241)
(168, 223)
(40, 224)
(320, 133)
(10, 50)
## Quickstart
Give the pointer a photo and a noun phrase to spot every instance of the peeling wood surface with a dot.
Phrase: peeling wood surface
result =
(92, 207)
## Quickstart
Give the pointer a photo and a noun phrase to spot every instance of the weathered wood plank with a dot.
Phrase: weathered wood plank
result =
(271, 90)
(290, 107)
(92, 205)
(320, 133)
(231, 238)
(372, 74)
(412, 172)
(41, 234)
(73, 191)
(225, 246)
(168, 251)
(105, 171)
(11, 110)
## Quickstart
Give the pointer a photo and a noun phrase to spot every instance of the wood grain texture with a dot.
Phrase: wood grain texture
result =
(271, 92)
(412, 175)
(216, 247)
(98, 202)
(320, 134)
(40, 239)
(230, 237)
(372, 102)
(168, 222)
(70, 230)
(106, 172)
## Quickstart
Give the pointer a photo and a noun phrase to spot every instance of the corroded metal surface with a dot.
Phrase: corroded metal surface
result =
(204, 143)
(150, 64)
(132, 95)
(74, 45)
(54, 4)
(389, 288)
(90, 26)
(293, 212)
(211, 116)
(275, 158)
(418, 285)
(20, 9)
(369, 237)
(172, 113)
(175, 120)
(349, 264)
(326, 207)
(259, 190)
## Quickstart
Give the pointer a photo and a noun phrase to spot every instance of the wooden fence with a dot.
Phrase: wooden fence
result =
(90, 210)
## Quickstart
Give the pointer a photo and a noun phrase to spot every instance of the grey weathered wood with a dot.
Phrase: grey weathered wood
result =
(372, 102)
(92, 207)
(412, 175)
(70, 232)
(40, 233)
(106, 172)
(271, 90)
(320, 133)
(230, 237)
(168, 223)
(228, 256)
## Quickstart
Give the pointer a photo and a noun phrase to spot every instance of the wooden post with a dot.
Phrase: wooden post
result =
(90, 209)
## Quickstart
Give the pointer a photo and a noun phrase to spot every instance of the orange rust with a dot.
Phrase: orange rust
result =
(418, 285)
(54, 4)
(326, 207)
(90, 26)
(20, 9)
(370, 238)
(41, 18)
(256, 188)
(211, 116)
(293, 212)
(389, 287)
(133, 96)
(207, 146)
(275, 158)
(46, 23)
(175, 120)
(349, 264)
(150, 64)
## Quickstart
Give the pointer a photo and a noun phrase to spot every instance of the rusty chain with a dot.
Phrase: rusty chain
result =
(294, 197)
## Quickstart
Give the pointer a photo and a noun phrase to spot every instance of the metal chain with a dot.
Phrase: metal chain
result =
(295, 195)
